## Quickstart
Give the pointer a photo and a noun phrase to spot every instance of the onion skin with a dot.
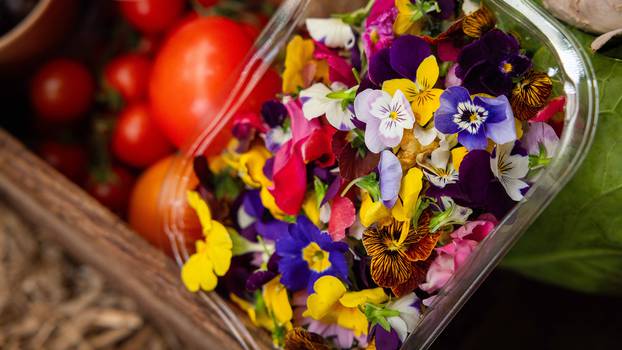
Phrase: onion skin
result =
(595, 16)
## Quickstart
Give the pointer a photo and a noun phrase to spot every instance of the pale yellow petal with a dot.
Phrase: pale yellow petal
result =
(201, 208)
(328, 291)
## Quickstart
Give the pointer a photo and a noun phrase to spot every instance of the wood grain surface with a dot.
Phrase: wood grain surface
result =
(97, 237)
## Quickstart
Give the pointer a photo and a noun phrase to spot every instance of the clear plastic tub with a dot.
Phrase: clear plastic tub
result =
(576, 80)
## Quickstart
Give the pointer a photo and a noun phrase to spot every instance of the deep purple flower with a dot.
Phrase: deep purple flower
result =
(401, 60)
(273, 113)
(385, 340)
(475, 120)
(308, 254)
(448, 9)
(489, 64)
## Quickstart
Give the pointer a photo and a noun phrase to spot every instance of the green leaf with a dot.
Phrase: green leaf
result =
(577, 241)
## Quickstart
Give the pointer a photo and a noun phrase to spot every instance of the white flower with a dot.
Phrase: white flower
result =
(409, 315)
(425, 136)
(437, 168)
(453, 214)
(316, 102)
(331, 31)
(395, 115)
(509, 169)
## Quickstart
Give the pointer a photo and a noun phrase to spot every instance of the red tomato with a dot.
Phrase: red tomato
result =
(62, 90)
(69, 160)
(152, 16)
(145, 215)
(112, 189)
(188, 80)
(129, 75)
(136, 140)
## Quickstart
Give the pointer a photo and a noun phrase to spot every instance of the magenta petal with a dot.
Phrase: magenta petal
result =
(338, 68)
(301, 127)
(342, 216)
(380, 7)
(290, 179)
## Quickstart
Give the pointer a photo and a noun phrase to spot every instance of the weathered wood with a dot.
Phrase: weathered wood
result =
(97, 237)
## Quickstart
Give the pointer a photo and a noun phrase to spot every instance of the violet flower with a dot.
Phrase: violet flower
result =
(390, 171)
(489, 64)
(475, 119)
(401, 60)
(273, 113)
(540, 140)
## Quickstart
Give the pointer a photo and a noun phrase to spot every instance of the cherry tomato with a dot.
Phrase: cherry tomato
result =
(136, 140)
(62, 90)
(152, 16)
(70, 160)
(111, 188)
(129, 75)
(145, 215)
(188, 80)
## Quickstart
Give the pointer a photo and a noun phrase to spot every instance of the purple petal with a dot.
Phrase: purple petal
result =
(475, 175)
(474, 141)
(540, 134)
(500, 125)
(332, 190)
(386, 340)
(407, 53)
(380, 67)
(390, 171)
(258, 279)
(252, 204)
(272, 229)
(443, 117)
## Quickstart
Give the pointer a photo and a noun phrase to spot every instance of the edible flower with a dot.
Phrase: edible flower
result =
(396, 251)
(407, 21)
(475, 119)
(332, 303)
(213, 254)
(386, 117)
(424, 97)
(308, 254)
(390, 171)
(400, 316)
(299, 338)
(400, 60)
(300, 67)
(510, 169)
(378, 32)
(332, 32)
(530, 94)
(541, 143)
(412, 183)
(333, 102)
(277, 302)
(479, 22)
(489, 64)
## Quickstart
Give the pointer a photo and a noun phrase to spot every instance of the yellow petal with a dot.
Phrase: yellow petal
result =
(354, 319)
(519, 128)
(409, 193)
(328, 290)
(267, 199)
(403, 6)
(354, 299)
(402, 24)
(298, 53)
(219, 247)
(322, 72)
(201, 208)
(425, 103)
(407, 86)
(276, 299)
(251, 166)
(197, 273)
(311, 208)
(457, 155)
(427, 73)
(372, 212)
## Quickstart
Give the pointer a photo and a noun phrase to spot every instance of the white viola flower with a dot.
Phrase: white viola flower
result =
(452, 214)
(425, 136)
(438, 168)
(333, 32)
(409, 316)
(510, 169)
(320, 100)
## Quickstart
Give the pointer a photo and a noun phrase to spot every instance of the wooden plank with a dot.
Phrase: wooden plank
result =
(97, 237)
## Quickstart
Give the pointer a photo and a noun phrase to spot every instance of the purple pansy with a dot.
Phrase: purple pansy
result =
(489, 64)
(308, 254)
(475, 119)
(385, 340)
(401, 60)
(390, 171)
(273, 113)
(540, 137)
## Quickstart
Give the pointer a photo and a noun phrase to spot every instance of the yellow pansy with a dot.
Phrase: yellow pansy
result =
(213, 254)
(277, 301)
(300, 67)
(457, 155)
(332, 303)
(424, 98)
(412, 183)
(372, 212)
(408, 19)
(250, 166)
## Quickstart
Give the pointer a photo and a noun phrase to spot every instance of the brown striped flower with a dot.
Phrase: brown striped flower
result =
(398, 252)
(478, 22)
(530, 94)
(301, 339)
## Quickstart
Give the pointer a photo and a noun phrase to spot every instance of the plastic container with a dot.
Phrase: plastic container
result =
(575, 77)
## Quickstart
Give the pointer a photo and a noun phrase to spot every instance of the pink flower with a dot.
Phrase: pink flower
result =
(455, 253)
(378, 32)
(338, 68)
